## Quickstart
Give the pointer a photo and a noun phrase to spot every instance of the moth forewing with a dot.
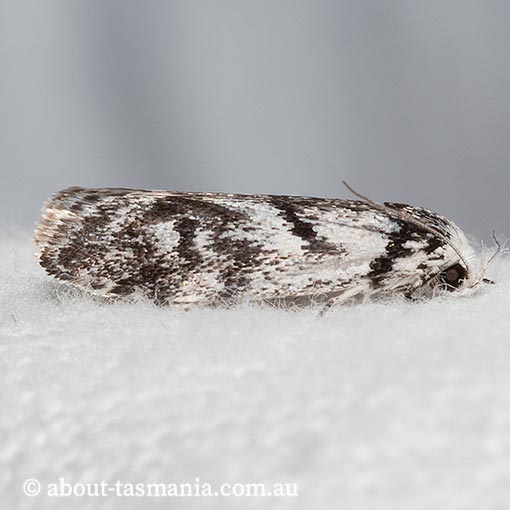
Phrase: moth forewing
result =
(215, 248)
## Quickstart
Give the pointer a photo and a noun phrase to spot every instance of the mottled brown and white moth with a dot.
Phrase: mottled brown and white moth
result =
(216, 248)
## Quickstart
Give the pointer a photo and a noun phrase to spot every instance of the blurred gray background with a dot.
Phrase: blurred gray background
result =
(406, 100)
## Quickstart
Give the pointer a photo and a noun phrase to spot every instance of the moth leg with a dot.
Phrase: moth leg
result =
(327, 306)
(346, 295)
(336, 299)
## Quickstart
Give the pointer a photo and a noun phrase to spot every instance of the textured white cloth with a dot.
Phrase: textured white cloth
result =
(387, 406)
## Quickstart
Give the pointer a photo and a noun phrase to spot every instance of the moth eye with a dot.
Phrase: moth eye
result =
(453, 277)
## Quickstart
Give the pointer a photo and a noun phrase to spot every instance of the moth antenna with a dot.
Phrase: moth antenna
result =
(484, 265)
(498, 247)
(401, 215)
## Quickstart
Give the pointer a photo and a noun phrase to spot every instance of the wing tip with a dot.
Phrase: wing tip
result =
(56, 218)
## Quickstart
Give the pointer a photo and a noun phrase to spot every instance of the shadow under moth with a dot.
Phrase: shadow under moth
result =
(211, 249)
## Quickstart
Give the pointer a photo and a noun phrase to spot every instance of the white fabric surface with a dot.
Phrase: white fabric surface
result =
(395, 406)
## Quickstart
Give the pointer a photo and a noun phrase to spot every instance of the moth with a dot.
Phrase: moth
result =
(215, 248)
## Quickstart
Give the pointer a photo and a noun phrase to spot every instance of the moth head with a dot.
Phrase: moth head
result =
(457, 276)
(453, 277)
